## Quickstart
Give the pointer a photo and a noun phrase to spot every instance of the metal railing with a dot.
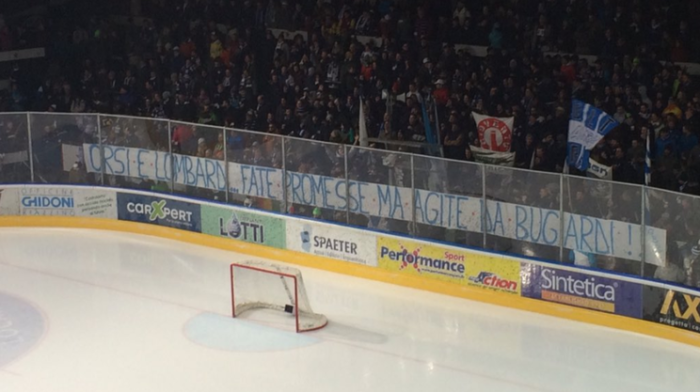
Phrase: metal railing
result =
(593, 223)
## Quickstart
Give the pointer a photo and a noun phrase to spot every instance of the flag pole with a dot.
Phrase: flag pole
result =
(363, 125)
(647, 161)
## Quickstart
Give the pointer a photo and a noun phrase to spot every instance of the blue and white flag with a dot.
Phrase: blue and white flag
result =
(587, 125)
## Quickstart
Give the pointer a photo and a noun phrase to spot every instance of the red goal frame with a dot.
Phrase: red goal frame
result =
(277, 273)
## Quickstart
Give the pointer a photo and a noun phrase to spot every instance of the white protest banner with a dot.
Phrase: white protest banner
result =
(582, 233)
(449, 211)
(531, 224)
(191, 171)
(452, 211)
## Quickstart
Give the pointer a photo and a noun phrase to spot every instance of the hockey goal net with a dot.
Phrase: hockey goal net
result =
(261, 285)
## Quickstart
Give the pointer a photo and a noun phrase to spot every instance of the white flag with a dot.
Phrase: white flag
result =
(493, 157)
(599, 170)
(495, 133)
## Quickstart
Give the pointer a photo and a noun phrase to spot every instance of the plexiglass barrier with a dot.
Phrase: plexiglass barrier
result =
(591, 223)
(15, 163)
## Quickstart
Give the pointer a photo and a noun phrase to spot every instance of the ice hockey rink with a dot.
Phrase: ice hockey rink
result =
(102, 311)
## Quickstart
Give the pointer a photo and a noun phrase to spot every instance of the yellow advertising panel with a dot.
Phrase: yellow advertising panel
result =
(493, 273)
(418, 259)
(448, 264)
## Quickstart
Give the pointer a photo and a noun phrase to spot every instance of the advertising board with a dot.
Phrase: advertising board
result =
(581, 290)
(9, 201)
(159, 211)
(239, 224)
(331, 241)
(65, 201)
(448, 264)
(493, 273)
(672, 308)
(418, 259)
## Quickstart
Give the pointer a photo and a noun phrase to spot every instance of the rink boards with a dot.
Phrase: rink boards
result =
(596, 297)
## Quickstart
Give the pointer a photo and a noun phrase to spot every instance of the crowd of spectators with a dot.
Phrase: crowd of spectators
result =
(22, 33)
(218, 62)
(303, 68)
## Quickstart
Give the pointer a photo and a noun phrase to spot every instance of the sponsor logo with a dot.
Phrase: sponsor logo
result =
(681, 310)
(583, 291)
(494, 134)
(579, 289)
(310, 241)
(242, 230)
(306, 238)
(491, 280)
(47, 201)
(327, 242)
(582, 287)
(157, 210)
(241, 225)
(451, 264)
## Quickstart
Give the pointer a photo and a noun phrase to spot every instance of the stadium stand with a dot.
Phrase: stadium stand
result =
(303, 69)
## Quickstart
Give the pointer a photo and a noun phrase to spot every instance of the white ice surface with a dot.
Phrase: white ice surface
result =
(136, 313)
